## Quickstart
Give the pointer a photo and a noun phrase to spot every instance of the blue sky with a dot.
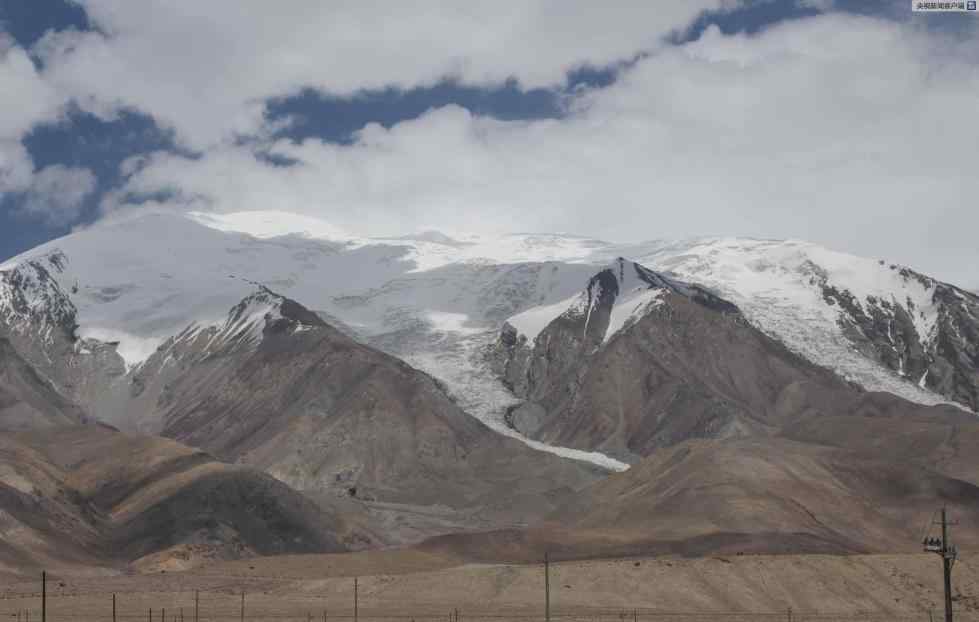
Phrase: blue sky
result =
(100, 137)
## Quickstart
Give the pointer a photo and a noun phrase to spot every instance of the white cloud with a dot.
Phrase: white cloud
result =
(207, 68)
(56, 193)
(27, 98)
(16, 167)
(845, 131)
(848, 131)
(27, 101)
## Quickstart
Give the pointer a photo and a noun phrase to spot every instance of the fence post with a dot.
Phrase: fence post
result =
(243, 606)
(151, 614)
(547, 587)
(790, 614)
(44, 596)
(197, 604)
(356, 604)
(113, 608)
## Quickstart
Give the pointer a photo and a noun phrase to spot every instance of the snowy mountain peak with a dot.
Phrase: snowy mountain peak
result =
(876, 323)
(141, 279)
(265, 312)
(616, 296)
(32, 301)
(258, 316)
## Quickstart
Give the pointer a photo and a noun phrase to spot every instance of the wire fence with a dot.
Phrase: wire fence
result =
(229, 600)
(228, 607)
(578, 617)
(666, 616)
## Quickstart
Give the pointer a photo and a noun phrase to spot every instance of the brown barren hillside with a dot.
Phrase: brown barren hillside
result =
(739, 496)
(89, 499)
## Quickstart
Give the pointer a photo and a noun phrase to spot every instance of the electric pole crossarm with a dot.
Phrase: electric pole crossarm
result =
(947, 551)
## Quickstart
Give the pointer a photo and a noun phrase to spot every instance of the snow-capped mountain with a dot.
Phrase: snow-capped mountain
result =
(133, 283)
(877, 323)
(616, 297)
(136, 282)
(274, 341)
(640, 361)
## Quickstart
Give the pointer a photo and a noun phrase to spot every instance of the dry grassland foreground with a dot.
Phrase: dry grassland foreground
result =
(412, 585)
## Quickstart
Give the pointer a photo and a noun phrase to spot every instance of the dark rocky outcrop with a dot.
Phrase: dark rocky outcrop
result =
(945, 360)
(40, 321)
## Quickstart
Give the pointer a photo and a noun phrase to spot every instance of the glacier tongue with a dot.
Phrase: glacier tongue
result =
(474, 387)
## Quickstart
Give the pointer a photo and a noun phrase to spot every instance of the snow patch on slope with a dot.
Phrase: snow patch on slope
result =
(778, 287)
(133, 350)
(531, 322)
(427, 250)
(634, 299)
(631, 308)
(427, 254)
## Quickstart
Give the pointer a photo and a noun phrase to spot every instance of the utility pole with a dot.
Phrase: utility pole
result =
(547, 587)
(947, 550)
(947, 560)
